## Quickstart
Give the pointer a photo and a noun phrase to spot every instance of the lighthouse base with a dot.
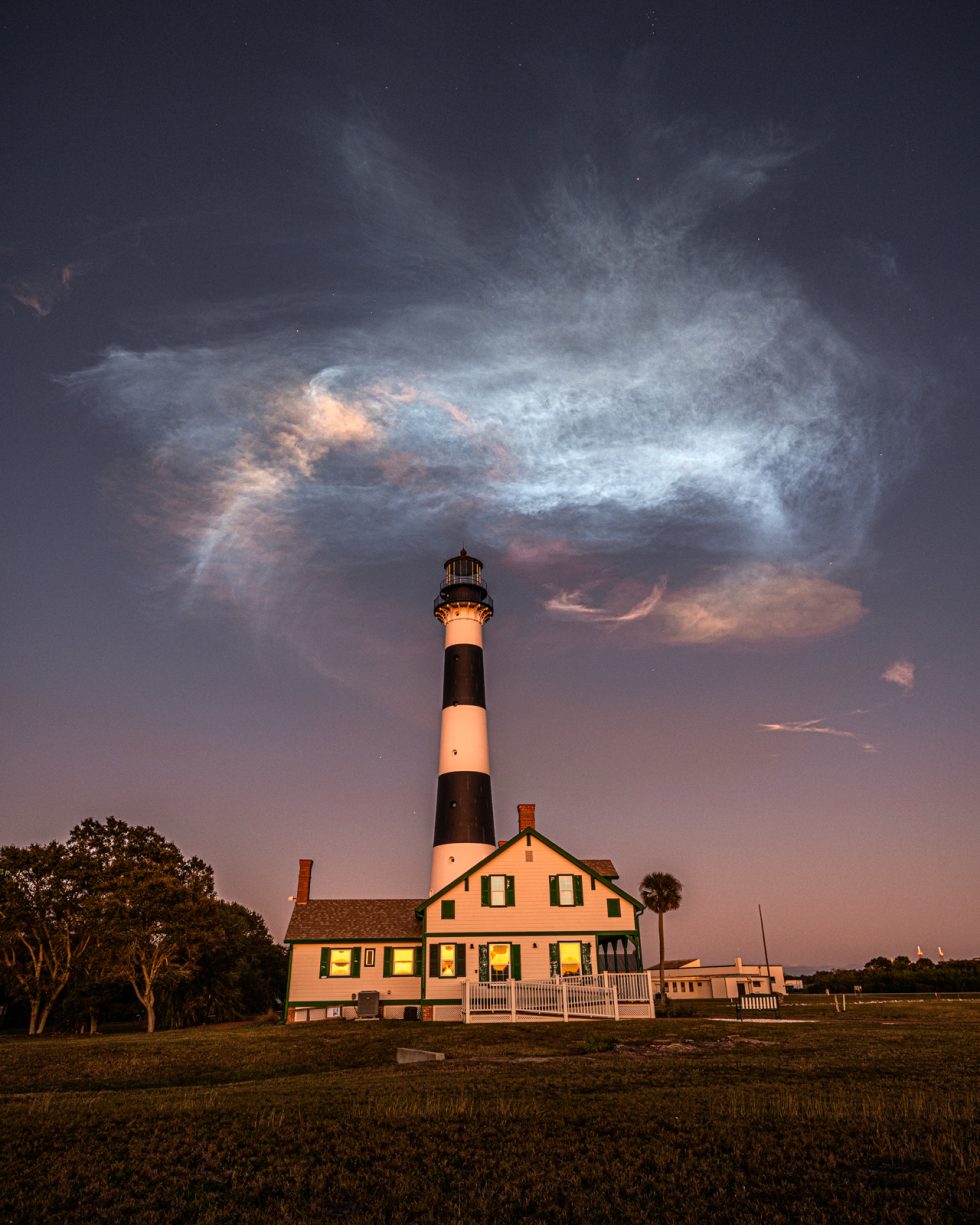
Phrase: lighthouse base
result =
(452, 859)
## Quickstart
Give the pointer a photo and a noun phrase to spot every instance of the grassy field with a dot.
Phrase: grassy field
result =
(865, 1116)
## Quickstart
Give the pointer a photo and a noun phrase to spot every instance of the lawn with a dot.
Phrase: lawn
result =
(868, 1115)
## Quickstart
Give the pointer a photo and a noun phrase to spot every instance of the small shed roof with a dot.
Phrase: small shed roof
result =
(388, 918)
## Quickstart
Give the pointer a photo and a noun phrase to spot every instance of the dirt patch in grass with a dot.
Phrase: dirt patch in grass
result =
(688, 1046)
(642, 1050)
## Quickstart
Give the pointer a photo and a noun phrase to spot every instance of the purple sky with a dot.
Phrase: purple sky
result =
(667, 314)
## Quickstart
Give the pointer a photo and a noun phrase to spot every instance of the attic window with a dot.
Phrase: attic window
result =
(566, 890)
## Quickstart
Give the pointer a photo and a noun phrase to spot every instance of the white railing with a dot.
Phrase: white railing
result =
(574, 996)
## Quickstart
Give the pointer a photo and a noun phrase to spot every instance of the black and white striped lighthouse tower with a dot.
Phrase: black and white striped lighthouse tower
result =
(464, 810)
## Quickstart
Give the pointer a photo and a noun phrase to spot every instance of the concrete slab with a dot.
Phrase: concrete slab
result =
(406, 1054)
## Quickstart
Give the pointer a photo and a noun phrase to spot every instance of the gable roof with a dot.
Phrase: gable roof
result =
(589, 866)
(602, 867)
(360, 918)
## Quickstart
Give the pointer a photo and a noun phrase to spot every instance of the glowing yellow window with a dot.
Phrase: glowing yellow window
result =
(403, 961)
(447, 960)
(499, 963)
(570, 957)
(339, 963)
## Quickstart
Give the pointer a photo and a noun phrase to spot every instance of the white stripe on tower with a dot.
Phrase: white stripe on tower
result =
(464, 807)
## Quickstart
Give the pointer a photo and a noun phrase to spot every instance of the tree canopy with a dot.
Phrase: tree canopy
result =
(661, 892)
(120, 907)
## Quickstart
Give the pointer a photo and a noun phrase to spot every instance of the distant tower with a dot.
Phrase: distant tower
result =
(464, 809)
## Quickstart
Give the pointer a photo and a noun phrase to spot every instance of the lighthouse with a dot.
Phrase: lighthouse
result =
(464, 809)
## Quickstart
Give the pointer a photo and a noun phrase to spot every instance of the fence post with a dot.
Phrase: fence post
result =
(615, 1003)
(513, 999)
(650, 993)
(466, 1002)
(564, 1000)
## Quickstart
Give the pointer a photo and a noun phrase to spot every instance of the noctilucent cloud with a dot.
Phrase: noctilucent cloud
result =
(667, 323)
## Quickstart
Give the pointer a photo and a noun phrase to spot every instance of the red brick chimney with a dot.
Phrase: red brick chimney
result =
(525, 817)
(303, 885)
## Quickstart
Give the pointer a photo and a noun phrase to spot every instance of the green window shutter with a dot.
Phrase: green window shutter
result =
(417, 962)
(460, 960)
(586, 958)
(433, 960)
(577, 888)
(484, 963)
(387, 964)
(448, 907)
(515, 961)
(613, 908)
(324, 963)
(553, 959)
(484, 890)
(509, 891)
(355, 963)
(553, 890)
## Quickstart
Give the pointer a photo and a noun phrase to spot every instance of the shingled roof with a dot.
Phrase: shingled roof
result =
(602, 867)
(387, 918)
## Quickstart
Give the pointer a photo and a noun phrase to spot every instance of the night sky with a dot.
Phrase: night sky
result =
(667, 312)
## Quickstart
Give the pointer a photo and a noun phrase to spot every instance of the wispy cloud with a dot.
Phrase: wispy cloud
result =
(748, 604)
(901, 672)
(43, 286)
(818, 727)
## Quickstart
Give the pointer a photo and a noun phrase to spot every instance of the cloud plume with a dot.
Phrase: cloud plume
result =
(600, 366)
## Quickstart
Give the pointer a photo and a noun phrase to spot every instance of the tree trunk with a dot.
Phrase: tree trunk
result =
(663, 985)
(151, 1015)
(43, 1019)
(32, 1024)
(93, 1021)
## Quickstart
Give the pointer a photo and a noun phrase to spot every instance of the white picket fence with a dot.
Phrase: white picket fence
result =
(573, 997)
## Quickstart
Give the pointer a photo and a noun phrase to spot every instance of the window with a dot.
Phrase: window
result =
(499, 963)
(497, 890)
(447, 909)
(613, 908)
(340, 963)
(570, 957)
(368, 957)
(566, 890)
(447, 960)
(403, 963)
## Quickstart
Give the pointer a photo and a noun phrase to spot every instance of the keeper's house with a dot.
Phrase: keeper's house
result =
(528, 913)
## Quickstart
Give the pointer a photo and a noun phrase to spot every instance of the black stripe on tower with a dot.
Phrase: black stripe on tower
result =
(462, 677)
(464, 808)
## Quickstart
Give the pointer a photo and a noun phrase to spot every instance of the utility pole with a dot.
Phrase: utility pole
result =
(764, 949)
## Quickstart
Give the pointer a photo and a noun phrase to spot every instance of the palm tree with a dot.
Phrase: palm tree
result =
(661, 892)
